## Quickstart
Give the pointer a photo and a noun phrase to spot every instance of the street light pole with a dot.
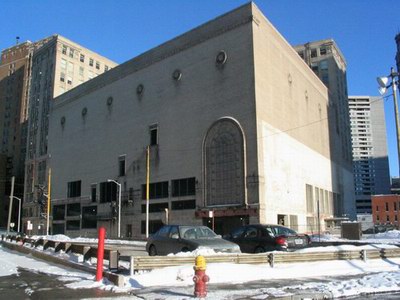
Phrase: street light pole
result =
(384, 85)
(11, 202)
(119, 206)
(19, 212)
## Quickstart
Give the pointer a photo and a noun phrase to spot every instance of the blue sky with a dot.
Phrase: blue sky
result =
(120, 30)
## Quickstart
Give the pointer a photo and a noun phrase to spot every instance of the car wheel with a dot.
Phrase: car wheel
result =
(259, 250)
(152, 250)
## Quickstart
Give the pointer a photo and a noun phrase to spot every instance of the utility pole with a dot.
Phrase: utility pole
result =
(147, 189)
(11, 202)
(48, 203)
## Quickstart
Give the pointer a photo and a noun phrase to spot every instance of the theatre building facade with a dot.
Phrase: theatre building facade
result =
(233, 123)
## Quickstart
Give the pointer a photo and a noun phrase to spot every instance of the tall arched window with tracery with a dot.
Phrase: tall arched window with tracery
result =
(224, 164)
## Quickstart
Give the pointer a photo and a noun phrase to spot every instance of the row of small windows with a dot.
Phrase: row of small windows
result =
(387, 204)
(323, 50)
(387, 218)
(108, 190)
(71, 53)
(87, 216)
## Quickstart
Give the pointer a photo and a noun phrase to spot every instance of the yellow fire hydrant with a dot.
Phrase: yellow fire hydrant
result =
(200, 278)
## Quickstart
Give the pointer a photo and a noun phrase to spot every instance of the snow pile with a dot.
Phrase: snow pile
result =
(393, 234)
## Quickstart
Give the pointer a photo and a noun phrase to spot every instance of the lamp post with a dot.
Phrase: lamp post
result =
(19, 212)
(119, 206)
(384, 84)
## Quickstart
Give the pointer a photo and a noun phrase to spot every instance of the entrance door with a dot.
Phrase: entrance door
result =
(224, 225)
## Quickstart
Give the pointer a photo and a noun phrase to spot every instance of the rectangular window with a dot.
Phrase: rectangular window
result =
(395, 218)
(74, 189)
(313, 53)
(64, 49)
(63, 64)
(91, 61)
(82, 58)
(387, 219)
(73, 209)
(89, 217)
(58, 228)
(69, 80)
(185, 204)
(70, 68)
(395, 206)
(62, 77)
(322, 51)
(97, 65)
(108, 192)
(153, 135)
(71, 52)
(154, 225)
(58, 212)
(73, 225)
(156, 190)
(81, 70)
(121, 165)
(387, 206)
(128, 230)
(93, 192)
(155, 207)
(309, 199)
(184, 187)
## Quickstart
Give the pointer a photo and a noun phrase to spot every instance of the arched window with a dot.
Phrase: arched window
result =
(224, 164)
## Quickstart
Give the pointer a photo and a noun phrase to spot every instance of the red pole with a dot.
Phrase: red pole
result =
(100, 254)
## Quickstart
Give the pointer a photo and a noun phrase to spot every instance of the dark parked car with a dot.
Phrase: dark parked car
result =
(261, 238)
(179, 238)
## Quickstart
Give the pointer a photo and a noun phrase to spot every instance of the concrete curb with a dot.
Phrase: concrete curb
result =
(116, 279)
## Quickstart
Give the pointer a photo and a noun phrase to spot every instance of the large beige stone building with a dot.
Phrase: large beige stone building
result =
(55, 66)
(236, 122)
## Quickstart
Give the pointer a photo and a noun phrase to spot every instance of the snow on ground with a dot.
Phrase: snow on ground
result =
(372, 276)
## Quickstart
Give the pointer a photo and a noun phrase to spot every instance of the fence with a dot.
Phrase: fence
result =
(152, 262)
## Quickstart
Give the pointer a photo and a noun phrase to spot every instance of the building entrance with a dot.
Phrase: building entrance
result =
(224, 225)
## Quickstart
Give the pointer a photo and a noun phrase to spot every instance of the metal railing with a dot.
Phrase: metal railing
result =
(153, 262)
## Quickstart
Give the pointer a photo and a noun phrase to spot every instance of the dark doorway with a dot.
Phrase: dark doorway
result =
(224, 225)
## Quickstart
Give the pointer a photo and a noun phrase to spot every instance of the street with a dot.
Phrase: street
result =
(28, 284)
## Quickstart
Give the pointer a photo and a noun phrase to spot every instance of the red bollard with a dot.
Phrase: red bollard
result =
(100, 254)
(200, 278)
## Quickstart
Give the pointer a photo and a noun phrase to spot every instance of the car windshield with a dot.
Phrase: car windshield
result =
(196, 232)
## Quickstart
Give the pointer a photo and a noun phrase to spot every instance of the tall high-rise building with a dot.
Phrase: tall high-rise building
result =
(370, 158)
(14, 90)
(31, 75)
(397, 39)
(328, 63)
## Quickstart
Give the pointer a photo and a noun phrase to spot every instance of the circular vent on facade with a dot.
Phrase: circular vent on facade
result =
(221, 58)
(177, 75)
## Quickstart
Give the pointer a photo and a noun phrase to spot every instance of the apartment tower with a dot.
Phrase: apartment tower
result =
(31, 75)
(370, 158)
